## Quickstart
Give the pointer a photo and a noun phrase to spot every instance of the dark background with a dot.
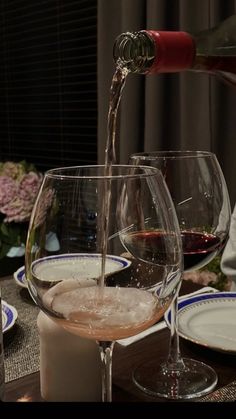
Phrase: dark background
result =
(48, 82)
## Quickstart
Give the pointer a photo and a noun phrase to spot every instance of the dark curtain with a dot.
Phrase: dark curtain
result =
(167, 111)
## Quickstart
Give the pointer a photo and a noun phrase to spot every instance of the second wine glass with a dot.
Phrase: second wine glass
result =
(199, 192)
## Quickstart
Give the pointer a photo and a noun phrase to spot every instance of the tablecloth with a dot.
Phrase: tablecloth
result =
(21, 342)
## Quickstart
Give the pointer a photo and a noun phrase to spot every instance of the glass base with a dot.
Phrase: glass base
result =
(194, 380)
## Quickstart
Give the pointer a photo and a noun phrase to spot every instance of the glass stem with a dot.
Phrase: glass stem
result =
(106, 349)
(174, 360)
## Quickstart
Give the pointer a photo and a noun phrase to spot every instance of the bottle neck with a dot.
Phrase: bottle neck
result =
(174, 51)
(134, 51)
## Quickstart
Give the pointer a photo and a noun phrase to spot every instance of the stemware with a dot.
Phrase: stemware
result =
(80, 280)
(198, 190)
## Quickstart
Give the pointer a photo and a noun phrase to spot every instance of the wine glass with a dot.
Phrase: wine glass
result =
(81, 281)
(201, 200)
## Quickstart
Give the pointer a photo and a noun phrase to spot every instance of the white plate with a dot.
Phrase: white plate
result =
(9, 316)
(208, 320)
(68, 266)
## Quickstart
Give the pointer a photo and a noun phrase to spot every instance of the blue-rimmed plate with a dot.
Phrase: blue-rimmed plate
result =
(208, 320)
(68, 266)
(19, 277)
(9, 316)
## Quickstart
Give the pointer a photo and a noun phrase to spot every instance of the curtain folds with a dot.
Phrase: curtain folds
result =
(167, 111)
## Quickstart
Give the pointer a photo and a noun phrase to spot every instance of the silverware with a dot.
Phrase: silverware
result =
(224, 394)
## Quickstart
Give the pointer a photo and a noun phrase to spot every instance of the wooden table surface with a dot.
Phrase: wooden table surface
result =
(125, 359)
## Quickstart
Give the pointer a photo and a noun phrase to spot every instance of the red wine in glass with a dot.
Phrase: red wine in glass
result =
(199, 248)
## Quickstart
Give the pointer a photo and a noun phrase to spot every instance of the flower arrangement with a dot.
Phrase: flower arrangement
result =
(19, 186)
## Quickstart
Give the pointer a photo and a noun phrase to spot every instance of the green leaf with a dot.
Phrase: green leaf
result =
(28, 167)
(12, 234)
(4, 229)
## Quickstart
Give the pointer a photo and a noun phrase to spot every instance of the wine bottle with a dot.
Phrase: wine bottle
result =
(150, 52)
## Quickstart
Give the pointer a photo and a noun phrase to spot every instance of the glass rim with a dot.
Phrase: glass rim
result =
(173, 154)
(57, 173)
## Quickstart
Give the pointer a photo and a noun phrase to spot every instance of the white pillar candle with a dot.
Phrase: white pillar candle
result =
(70, 368)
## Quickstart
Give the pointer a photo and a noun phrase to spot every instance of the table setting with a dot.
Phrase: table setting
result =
(22, 351)
(56, 272)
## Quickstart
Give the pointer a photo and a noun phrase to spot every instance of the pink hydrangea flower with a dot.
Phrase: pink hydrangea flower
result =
(29, 186)
(201, 277)
(18, 191)
(19, 186)
(8, 190)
